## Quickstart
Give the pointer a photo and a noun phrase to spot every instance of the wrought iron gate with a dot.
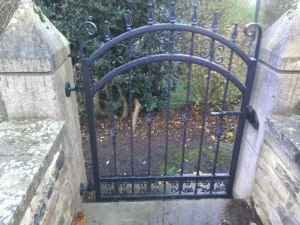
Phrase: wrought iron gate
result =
(180, 184)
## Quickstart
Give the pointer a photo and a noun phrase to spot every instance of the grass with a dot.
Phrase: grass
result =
(178, 96)
(191, 158)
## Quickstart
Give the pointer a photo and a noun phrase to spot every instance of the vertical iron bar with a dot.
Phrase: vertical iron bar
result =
(149, 115)
(113, 131)
(245, 103)
(92, 129)
(168, 113)
(257, 8)
(241, 125)
(129, 43)
(149, 110)
(171, 45)
(212, 52)
(219, 130)
(186, 110)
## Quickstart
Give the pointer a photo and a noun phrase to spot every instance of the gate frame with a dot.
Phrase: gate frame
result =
(246, 112)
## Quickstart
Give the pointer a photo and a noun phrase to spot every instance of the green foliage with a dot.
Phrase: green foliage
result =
(297, 108)
(229, 12)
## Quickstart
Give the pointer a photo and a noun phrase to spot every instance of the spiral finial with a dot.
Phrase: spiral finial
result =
(128, 21)
(194, 17)
(106, 31)
(150, 15)
(215, 23)
(234, 33)
(172, 13)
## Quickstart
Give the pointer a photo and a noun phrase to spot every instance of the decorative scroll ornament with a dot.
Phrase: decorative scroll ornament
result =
(219, 186)
(134, 48)
(204, 186)
(117, 188)
(149, 187)
(174, 43)
(90, 29)
(212, 50)
(185, 187)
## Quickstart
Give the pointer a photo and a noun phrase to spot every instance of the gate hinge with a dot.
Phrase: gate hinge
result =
(250, 113)
(89, 188)
(68, 88)
(252, 117)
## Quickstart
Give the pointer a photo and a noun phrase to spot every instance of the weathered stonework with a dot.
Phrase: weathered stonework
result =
(34, 66)
(7, 10)
(276, 189)
(27, 151)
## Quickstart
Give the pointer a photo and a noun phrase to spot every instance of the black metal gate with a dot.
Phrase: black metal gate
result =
(179, 184)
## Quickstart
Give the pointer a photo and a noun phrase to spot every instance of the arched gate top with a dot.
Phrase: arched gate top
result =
(167, 57)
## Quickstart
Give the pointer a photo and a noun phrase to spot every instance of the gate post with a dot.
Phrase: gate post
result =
(276, 91)
(34, 66)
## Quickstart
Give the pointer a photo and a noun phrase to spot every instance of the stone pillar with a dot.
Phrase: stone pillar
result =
(7, 10)
(34, 66)
(276, 91)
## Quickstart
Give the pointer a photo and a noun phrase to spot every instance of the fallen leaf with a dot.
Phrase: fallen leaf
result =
(79, 218)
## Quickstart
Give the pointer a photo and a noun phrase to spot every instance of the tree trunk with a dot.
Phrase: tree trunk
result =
(97, 107)
(135, 114)
(125, 103)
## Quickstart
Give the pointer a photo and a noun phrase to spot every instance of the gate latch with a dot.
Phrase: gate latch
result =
(250, 113)
(68, 88)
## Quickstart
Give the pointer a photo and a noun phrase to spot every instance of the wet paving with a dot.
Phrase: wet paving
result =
(172, 212)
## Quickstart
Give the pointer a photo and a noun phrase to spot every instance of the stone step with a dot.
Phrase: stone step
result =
(172, 212)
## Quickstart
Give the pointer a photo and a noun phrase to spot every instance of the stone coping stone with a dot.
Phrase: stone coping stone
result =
(26, 151)
(286, 129)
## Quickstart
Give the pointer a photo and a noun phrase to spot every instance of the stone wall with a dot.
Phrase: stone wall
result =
(34, 66)
(276, 190)
(268, 170)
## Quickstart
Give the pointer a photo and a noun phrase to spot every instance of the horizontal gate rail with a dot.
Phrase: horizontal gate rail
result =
(185, 177)
(142, 197)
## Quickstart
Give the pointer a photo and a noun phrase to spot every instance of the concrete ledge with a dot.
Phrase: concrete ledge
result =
(27, 150)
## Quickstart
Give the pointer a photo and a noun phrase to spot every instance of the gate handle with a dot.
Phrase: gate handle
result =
(68, 88)
(250, 113)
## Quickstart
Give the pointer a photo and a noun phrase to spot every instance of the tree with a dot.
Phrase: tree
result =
(67, 15)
